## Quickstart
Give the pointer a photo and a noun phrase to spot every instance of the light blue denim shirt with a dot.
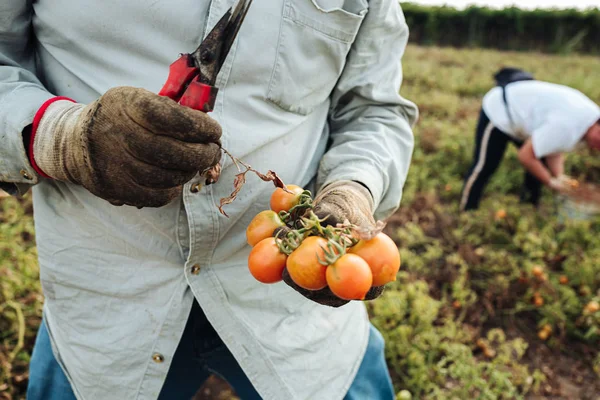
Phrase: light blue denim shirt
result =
(309, 90)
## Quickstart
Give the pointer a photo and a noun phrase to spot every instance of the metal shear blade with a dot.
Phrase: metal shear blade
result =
(212, 52)
(192, 76)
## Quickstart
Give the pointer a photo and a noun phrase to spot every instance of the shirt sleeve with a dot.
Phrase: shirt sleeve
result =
(21, 94)
(370, 122)
(551, 138)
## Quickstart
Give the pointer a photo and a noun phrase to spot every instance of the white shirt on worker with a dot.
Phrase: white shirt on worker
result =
(555, 117)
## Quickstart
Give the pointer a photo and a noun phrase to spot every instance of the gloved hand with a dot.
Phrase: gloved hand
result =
(130, 146)
(340, 201)
(562, 183)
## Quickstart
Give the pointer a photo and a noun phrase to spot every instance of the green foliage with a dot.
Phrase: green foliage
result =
(20, 298)
(478, 266)
(556, 31)
(435, 357)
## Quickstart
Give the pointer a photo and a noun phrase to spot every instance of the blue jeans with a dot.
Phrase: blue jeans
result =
(196, 358)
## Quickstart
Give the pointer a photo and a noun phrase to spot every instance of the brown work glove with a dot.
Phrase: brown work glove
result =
(340, 201)
(130, 146)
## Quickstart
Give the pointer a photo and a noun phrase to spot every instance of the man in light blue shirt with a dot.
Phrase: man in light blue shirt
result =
(146, 285)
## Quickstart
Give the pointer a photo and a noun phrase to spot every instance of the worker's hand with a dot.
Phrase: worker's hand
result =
(562, 183)
(338, 202)
(129, 147)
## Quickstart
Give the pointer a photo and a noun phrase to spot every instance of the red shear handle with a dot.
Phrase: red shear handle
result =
(199, 96)
(182, 87)
(180, 74)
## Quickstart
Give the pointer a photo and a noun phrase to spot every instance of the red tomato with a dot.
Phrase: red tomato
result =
(266, 262)
(382, 255)
(284, 201)
(350, 277)
(304, 267)
(262, 226)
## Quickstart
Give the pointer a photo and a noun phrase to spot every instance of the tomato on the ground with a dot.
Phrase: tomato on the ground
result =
(382, 255)
(592, 307)
(266, 262)
(262, 226)
(501, 214)
(303, 264)
(537, 271)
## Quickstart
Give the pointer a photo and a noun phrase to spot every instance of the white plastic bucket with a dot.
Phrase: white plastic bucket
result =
(576, 209)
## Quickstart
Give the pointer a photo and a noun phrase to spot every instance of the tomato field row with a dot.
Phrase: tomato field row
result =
(500, 303)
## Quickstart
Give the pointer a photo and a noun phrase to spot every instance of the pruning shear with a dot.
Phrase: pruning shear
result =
(192, 76)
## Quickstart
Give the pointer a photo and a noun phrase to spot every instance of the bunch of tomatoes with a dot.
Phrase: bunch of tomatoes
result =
(344, 258)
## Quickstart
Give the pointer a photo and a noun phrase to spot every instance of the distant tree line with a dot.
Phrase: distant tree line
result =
(553, 31)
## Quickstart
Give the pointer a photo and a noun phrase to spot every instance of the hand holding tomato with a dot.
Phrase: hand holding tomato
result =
(330, 250)
(336, 203)
(345, 200)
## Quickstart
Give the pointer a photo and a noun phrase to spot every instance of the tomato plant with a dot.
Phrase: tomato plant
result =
(266, 262)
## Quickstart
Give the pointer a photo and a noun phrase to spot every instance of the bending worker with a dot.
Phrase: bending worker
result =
(544, 120)
(147, 289)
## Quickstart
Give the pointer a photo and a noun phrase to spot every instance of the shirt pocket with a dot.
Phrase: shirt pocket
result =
(314, 41)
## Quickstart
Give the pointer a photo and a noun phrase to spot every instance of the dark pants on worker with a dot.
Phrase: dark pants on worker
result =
(201, 353)
(490, 145)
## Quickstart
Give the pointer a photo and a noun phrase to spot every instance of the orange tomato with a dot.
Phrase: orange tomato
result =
(489, 353)
(537, 271)
(350, 277)
(501, 214)
(382, 255)
(303, 264)
(262, 226)
(592, 307)
(543, 334)
(284, 201)
(266, 262)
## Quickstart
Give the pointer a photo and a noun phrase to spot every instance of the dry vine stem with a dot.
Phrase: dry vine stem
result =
(212, 176)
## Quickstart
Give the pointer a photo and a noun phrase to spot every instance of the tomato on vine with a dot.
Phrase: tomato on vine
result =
(262, 226)
(284, 201)
(382, 256)
(349, 277)
(266, 262)
(303, 264)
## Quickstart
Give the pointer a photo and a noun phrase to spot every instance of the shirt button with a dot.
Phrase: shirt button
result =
(196, 269)
(158, 358)
(26, 175)
(196, 187)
